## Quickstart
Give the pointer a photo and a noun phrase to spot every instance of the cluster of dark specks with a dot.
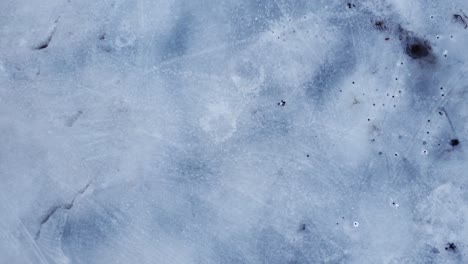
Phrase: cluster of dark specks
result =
(350, 5)
(451, 247)
(282, 103)
(380, 25)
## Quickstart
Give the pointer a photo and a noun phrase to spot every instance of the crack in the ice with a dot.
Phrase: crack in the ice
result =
(53, 210)
(44, 44)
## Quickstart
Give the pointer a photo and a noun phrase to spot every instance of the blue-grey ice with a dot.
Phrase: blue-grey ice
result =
(233, 131)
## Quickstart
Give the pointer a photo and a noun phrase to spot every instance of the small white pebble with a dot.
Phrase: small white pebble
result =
(356, 224)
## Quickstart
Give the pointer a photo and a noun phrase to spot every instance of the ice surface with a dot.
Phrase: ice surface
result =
(243, 131)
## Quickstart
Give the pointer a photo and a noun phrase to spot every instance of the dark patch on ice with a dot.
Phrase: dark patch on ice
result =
(418, 49)
(303, 227)
(414, 46)
(454, 142)
(72, 120)
(330, 74)
(178, 39)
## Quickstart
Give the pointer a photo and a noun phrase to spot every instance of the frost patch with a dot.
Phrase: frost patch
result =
(220, 122)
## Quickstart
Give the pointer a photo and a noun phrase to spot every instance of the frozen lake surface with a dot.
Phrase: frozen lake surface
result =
(241, 131)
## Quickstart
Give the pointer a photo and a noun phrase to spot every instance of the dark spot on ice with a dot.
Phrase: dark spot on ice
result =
(303, 227)
(454, 142)
(308, 155)
(387, 38)
(417, 50)
(282, 103)
(416, 47)
(451, 247)
(102, 36)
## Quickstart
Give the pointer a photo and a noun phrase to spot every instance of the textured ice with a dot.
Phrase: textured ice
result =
(243, 131)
